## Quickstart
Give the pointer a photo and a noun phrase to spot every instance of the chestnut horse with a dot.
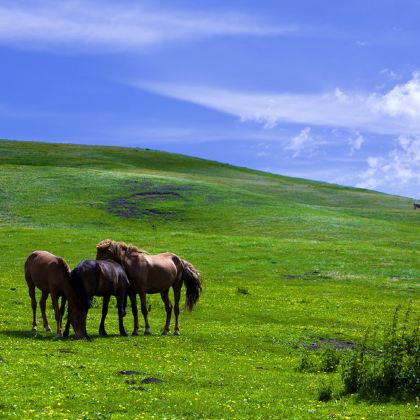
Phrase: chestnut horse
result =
(154, 274)
(103, 278)
(51, 275)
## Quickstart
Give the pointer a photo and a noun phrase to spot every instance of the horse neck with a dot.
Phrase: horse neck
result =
(70, 292)
(124, 261)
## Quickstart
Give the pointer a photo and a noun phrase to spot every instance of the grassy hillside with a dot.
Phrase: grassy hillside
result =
(286, 262)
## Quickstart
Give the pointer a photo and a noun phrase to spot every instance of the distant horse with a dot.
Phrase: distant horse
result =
(51, 275)
(154, 274)
(416, 206)
(103, 278)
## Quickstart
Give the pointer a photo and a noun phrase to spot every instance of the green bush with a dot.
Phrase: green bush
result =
(307, 363)
(325, 393)
(330, 359)
(390, 371)
(327, 360)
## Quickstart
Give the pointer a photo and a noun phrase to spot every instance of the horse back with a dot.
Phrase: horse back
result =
(101, 277)
(47, 271)
(112, 276)
(160, 272)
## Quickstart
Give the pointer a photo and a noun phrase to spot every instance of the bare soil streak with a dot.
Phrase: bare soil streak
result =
(140, 204)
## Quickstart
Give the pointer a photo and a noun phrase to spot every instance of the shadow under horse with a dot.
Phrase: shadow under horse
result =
(51, 274)
(154, 274)
(103, 278)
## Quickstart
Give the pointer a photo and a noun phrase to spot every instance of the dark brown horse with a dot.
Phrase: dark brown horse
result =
(154, 274)
(51, 275)
(103, 278)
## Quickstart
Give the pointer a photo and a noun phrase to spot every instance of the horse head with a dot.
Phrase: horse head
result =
(109, 250)
(78, 316)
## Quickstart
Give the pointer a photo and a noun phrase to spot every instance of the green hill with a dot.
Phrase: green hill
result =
(286, 262)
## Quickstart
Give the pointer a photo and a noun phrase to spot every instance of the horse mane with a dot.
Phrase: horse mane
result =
(116, 247)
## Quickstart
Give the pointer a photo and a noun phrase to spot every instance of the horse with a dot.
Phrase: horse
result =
(51, 274)
(416, 206)
(149, 274)
(103, 278)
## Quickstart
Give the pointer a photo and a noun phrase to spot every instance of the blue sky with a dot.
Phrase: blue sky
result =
(325, 90)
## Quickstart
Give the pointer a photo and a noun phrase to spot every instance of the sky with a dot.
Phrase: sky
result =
(324, 90)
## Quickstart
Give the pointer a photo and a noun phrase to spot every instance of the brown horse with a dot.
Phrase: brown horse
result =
(51, 275)
(154, 274)
(103, 278)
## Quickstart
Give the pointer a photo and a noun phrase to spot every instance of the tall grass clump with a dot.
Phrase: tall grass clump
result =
(391, 369)
(326, 361)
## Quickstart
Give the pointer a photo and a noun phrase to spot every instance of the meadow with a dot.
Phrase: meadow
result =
(287, 264)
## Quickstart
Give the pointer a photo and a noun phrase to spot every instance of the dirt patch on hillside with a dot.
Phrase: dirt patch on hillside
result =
(314, 275)
(157, 195)
(321, 342)
(146, 201)
(337, 344)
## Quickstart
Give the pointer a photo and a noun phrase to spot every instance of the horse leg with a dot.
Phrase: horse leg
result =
(134, 310)
(105, 303)
(121, 302)
(144, 312)
(67, 327)
(42, 304)
(177, 297)
(168, 307)
(63, 306)
(33, 304)
(54, 299)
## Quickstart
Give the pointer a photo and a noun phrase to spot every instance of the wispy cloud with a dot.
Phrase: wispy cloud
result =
(394, 112)
(401, 166)
(356, 143)
(302, 141)
(122, 26)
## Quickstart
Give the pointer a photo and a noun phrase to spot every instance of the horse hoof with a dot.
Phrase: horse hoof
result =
(60, 335)
(103, 333)
(47, 328)
(147, 332)
(165, 332)
(135, 333)
(123, 334)
(34, 328)
(176, 332)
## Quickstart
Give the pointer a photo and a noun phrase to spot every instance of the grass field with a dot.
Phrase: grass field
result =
(286, 262)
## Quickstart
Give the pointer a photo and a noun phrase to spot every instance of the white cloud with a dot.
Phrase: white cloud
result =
(390, 74)
(117, 26)
(361, 43)
(402, 100)
(356, 143)
(394, 112)
(400, 167)
(301, 142)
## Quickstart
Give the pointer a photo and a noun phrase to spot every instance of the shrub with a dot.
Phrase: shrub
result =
(325, 393)
(330, 359)
(327, 360)
(307, 364)
(393, 370)
(242, 290)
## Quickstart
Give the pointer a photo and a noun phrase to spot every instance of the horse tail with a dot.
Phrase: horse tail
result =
(78, 284)
(192, 280)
